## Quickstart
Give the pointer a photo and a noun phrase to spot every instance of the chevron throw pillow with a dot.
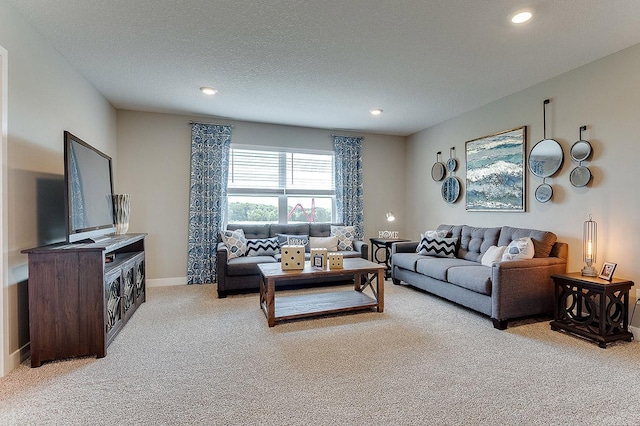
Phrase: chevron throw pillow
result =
(429, 235)
(262, 246)
(439, 247)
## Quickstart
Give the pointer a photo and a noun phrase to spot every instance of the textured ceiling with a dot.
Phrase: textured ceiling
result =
(325, 63)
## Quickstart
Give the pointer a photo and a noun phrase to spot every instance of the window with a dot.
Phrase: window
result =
(280, 186)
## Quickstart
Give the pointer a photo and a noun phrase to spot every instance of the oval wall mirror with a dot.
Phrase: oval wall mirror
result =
(580, 176)
(437, 171)
(580, 151)
(546, 158)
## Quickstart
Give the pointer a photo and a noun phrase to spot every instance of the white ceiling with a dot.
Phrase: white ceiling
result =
(325, 63)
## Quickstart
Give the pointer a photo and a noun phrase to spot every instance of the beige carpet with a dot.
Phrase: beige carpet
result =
(188, 358)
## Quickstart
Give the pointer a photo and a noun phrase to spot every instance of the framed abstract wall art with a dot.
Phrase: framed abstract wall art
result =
(496, 172)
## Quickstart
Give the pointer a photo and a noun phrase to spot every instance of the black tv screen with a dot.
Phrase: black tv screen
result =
(89, 190)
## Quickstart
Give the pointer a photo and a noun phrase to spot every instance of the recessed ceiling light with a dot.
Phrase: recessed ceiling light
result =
(208, 90)
(521, 17)
(376, 111)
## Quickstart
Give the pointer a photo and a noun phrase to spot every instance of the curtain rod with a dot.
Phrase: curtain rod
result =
(215, 124)
(333, 135)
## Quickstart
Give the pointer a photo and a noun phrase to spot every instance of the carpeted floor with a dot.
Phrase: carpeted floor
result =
(189, 358)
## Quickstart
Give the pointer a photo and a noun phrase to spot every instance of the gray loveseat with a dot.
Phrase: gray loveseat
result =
(241, 274)
(504, 291)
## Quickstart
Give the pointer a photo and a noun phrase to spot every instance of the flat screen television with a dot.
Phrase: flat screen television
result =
(88, 191)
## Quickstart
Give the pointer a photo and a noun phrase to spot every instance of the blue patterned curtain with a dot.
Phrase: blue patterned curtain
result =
(349, 191)
(207, 198)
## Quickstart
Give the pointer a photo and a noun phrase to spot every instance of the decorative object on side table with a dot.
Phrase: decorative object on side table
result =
(589, 247)
(495, 172)
(545, 159)
(592, 308)
(121, 210)
(606, 273)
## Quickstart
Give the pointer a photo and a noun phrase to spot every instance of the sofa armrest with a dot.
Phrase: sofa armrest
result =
(362, 247)
(404, 247)
(222, 255)
(521, 287)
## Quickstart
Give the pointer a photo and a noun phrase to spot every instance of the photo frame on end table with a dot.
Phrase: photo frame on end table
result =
(606, 273)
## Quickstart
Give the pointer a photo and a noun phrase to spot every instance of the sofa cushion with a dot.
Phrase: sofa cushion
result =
(346, 235)
(476, 278)
(520, 249)
(262, 246)
(251, 231)
(439, 247)
(543, 241)
(291, 228)
(294, 240)
(330, 243)
(406, 260)
(474, 242)
(247, 265)
(437, 267)
(321, 229)
(235, 241)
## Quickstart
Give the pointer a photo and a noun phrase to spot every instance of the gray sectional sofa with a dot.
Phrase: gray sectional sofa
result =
(241, 274)
(505, 290)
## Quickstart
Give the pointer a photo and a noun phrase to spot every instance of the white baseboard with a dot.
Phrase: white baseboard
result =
(164, 282)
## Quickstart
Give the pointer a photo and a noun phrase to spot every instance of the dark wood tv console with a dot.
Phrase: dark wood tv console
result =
(82, 294)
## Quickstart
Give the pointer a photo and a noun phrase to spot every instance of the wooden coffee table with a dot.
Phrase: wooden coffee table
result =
(363, 271)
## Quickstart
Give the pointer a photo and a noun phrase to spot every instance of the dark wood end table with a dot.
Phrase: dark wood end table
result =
(592, 308)
(379, 244)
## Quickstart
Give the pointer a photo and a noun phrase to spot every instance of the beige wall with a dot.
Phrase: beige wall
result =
(604, 96)
(153, 166)
(45, 97)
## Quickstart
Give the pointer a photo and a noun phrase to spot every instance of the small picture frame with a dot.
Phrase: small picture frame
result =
(606, 273)
(318, 261)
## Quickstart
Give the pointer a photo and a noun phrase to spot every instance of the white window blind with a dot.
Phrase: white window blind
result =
(266, 171)
(270, 185)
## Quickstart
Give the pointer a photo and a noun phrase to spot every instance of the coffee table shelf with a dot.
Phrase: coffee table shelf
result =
(292, 307)
(364, 272)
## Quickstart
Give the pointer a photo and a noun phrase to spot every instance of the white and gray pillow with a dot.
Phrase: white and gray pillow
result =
(294, 240)
(235, 241)
(346, 235)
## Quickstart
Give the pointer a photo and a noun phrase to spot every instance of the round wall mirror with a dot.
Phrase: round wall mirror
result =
(450, 189)
(544, 192)
(580, 151)
(580, 176)
(546, 158)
